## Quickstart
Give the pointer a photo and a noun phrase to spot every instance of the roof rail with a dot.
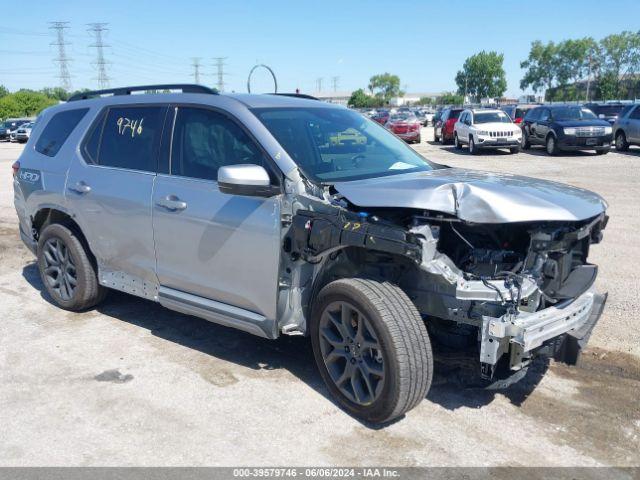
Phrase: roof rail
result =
(296, 95)
(185, 87)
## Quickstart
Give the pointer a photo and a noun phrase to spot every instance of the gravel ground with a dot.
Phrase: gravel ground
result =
(131, 383)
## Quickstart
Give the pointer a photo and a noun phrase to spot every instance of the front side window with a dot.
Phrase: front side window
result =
(129, 138)
(204, 141)
(58, 130)
(491, 117)
(333, 145)
(545, 115)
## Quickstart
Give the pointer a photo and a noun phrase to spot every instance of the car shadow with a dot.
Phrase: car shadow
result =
(452, 387)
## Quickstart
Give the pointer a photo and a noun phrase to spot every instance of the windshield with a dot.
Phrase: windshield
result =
(572, 113)
(607, 110)
(491, 117)
(314, 138)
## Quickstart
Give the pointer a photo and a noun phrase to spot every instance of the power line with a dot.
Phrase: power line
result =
(319, 84)
(220, 71)
(335, 81)
(98, 29)
(196, 69)
(62, 59)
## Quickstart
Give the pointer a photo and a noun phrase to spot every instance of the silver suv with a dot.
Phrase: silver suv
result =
(240, 210)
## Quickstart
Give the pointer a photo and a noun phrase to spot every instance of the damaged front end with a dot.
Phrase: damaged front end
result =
(508, 290)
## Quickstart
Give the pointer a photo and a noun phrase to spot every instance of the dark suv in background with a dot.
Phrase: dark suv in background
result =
(606, 111)
(566, 127)
(517, 112)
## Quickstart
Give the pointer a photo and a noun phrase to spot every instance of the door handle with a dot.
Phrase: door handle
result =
(171, 203)
(80, 188)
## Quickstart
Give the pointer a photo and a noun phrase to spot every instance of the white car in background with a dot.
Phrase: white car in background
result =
(486, 128)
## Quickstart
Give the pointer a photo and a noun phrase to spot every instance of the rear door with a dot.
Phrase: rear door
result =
(541, 125)
(110, 189)
(212, 245)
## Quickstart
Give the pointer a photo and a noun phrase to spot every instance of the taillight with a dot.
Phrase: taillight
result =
(518, 120)
(15, 167)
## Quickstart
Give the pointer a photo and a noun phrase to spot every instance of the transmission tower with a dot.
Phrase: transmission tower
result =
(319, 84)
(220, 71)
(196, 69)
(335, 81)
(98, 29)
(62, 59)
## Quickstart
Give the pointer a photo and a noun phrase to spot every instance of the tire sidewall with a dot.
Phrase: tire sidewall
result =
(72, 244)
(383, 405)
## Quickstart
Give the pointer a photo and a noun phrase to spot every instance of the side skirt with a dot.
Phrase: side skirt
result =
(217, 312)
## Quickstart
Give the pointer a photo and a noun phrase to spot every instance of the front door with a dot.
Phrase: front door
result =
(109, 190)
(216, 246)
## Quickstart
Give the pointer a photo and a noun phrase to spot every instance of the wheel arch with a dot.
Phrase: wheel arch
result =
(48, 215)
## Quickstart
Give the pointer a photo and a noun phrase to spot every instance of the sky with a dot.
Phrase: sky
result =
(423, 42)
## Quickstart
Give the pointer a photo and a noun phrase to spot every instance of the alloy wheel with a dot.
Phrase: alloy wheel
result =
(59, 269)
(351, 352)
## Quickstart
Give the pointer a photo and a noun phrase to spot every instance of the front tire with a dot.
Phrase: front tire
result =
(551, 145)
(456, 142)
(514, 150)
(66, 270)
(621, 142)
(371, 347)
(473, 150)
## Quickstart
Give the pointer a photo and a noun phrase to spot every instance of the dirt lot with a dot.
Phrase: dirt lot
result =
(133, 384)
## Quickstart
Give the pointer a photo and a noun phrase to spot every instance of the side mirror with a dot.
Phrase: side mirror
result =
(249, 180)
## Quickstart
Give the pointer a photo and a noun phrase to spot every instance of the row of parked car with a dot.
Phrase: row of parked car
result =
(16, 130)
(555, 127)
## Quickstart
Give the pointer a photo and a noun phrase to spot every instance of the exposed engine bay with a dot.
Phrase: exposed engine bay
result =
(508, 288)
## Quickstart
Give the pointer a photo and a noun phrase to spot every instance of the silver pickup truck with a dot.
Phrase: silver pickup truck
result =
(240, 210)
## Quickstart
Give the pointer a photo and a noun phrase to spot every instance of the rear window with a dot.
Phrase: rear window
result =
(58, 130)
(455, 114)
(533, 114)
(127, 137)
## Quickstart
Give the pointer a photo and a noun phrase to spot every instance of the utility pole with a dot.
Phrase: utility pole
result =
(98, 29)
(319, 84)
(588, 80)
(335, 81)
(61, 59)
(196, 69)
(220, 71)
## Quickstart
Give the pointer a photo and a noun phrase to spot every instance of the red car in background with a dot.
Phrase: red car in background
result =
(443, 129)
(406, 126)
(381, 117)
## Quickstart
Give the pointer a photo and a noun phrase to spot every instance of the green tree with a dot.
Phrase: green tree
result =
(3, 91)
(573, 61)
(482, 76)
(24, 103)
(450, 98)
(385, 86)
(359, 99)
(425, 101)
(620, 57)
(540, 66)
(57, 93)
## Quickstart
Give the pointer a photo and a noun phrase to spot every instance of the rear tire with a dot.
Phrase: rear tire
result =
(621, 142)
(602, 151)
(371, 347)
(66, 270)
(525, 141)
(456, 142)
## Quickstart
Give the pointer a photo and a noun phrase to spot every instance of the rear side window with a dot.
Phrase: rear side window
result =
(127, 137)
(58, 130)
(635, 114)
